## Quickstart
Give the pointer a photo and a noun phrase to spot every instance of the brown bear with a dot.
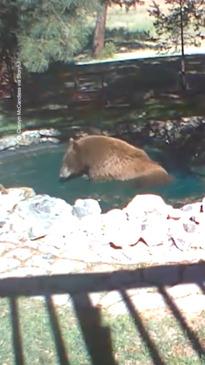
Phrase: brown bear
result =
(106, 158)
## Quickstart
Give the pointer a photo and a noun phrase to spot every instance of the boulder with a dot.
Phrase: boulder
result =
(9, 198)
(85, 207)
(41, 212)
(118, 230)
(154, 230)
(145, 204)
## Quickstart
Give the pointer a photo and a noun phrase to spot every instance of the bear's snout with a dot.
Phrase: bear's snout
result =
(64, 173)
(62, 178)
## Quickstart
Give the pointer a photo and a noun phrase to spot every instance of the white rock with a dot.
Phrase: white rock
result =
(189, 226)
(51, 132)
(83, 233)
(91, 226)
(203, 205)
(182, 232)
(8, 142)
(174, 213)
(60, 231)
(41, 213)
(28, 137)
(14, 229)
(145, 204)
(43, 206)
(13, 196)
(84, 207)
(119, 230)
(193, 209)
(7, 264)
(188, 232)
(20, 254)
(114, 216)
(154, 230)
(198, 239)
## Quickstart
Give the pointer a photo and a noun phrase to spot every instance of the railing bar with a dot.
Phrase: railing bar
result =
(59, 342)
(152, 348)
(16, 333)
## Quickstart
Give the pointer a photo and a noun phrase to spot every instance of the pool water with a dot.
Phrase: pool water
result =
(39, 168)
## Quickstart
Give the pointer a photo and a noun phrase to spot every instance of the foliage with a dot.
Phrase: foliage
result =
(108, 50)
(45, 31)
(126, 3)
(181, 22)
(52, 31)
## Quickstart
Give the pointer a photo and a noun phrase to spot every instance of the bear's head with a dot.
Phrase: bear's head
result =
(72, 164)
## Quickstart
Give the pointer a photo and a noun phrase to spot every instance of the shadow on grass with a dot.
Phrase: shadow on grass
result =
(97, 337)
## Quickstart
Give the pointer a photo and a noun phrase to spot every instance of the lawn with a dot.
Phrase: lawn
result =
(48, 334)
(136, 19)
(133, 32)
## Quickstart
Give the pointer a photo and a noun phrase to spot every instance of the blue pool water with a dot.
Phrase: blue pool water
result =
(39, 168)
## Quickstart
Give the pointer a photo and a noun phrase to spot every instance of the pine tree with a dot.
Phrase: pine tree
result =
(179, 26)
(42, 32)
(52, 30)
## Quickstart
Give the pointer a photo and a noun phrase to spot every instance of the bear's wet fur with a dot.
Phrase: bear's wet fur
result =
(107, 158)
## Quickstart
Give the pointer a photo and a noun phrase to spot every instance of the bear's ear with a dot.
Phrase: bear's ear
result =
(73, 143)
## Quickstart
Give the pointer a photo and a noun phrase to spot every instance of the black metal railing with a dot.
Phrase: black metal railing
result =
(97, 336)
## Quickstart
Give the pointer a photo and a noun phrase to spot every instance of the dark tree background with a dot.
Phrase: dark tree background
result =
(43, 32)
(178, 27)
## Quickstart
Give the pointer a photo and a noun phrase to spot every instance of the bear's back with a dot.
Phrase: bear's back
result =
(100, 147)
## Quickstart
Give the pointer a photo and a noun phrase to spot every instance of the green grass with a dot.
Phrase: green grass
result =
(126, 343)
(108, 51)
(134, 30)
(124, 26)
(134, 20)
(37, 335)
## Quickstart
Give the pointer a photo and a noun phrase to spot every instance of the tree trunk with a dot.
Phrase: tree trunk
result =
(183, 63)
(7, 87)
(99, 33)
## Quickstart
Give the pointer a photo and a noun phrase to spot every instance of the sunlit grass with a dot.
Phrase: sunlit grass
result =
(127, 345)
(133, 20)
